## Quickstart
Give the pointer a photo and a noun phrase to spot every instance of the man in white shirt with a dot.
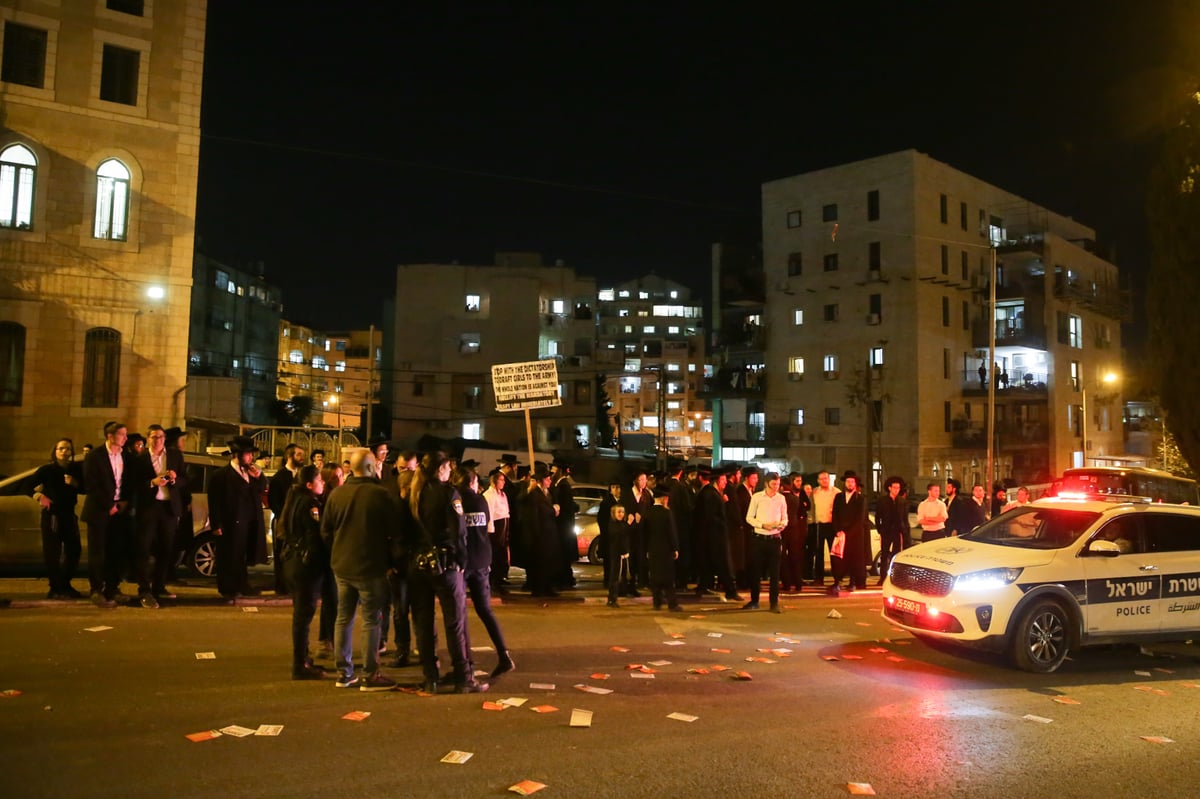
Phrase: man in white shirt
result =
(821, 532)
(932, 515)
(767, 516)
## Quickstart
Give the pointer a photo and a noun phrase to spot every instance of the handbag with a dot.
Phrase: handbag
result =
(838, 547)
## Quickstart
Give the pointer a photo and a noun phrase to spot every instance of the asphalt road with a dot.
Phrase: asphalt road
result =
(105, 713)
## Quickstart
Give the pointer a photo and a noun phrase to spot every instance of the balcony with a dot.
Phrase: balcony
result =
(1010, 433)
(1023, 331)
(1020, 383)
(732, 382)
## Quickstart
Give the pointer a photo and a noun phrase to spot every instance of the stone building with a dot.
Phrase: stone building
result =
(99, 143)
(879, 323)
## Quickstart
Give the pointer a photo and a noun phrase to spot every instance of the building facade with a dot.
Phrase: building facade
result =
(235, 333)
(879, 318)
(357, 361)
(453, 322)
(99, 148)
(650, 351)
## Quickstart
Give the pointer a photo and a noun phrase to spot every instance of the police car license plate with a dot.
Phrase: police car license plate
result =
(909, 606)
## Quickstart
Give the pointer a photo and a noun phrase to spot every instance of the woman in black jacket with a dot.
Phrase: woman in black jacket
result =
(477, 569)
(305, 562)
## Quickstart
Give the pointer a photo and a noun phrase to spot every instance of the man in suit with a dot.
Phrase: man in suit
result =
(106, 511)
(277, 490)
(564, 496)
(235, 515)
(638, 503)
(384, 471)
(850, 519)
(710, 523)
(159, 482)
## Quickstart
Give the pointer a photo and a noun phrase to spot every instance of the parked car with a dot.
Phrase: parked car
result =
(587, 533)
(21, 525)
(1043, 580)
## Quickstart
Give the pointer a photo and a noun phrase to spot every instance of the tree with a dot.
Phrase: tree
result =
(1173, 209)
(1171, 460)
(604, 426)
(293, 412)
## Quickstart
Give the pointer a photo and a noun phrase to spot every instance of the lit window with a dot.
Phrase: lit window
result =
(673, 329)
(648, 329)
(797, 316)
(877, 356)
(472, 430)
(558, 306)
(623, 293)
(327, 345)
(622, 313)
(691, 367)
(831, 366)
(318, 362)
(672, 367)
(18, 169)
(607, 295)
(673, 405)
(296, 356)
(628, 328)
(469, 343)
(1075, 332)
(643, 295)
(339, 366)
(112, 201)
(473, 303)
(649, 421)
(798, 415)
(796, 366)
(674, 294)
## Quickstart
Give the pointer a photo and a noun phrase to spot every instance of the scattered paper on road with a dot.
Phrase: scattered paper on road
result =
(677, 635)
(457, 757)
(642, 675)
(580, 718)
(10, 693)
(895, 658)
(357, 715)
(598, 676)
(878, 650)
(514, 701)
(1143, 674)
(682, 717)
(236, 731)
(544, 709)
(269, 729)
(542, 686)
(659, 662)
(860, 789)
(249, 609)
(852, 657)
(482, 649)
(697, 616)
(99, 628)
(618, 649)
(721, 651)
(526, 787)
(674, 643)
(1157, 739)
(833, 614)
(697, 671)
(719, 668)
(1149, 690)
(716, 635)
(489, 705)
(1065, 700)
(206, 735)
(829, 657)
(1038, 719)
(741, 675)
(592, 689)
(1164, 671)
(206, 656)
(862, 624)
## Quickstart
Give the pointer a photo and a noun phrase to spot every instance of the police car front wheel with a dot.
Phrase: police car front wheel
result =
(1041, 639)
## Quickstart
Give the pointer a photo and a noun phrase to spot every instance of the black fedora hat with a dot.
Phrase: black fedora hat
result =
(508, 458)
(242, 444)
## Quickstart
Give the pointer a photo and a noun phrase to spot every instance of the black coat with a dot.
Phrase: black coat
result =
(662, 542)
(235, 507)
(475, 515)
(146, 493)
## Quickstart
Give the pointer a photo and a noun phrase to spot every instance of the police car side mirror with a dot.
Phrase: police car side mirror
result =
(1104, 548)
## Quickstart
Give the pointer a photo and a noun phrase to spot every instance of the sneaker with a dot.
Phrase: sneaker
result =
(347, 681)
(148, 602)
(377, 682)
(505, 665)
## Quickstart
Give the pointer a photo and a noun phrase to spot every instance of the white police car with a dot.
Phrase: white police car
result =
(1044, 579)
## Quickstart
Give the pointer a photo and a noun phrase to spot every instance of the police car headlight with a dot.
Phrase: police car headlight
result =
(986, 580)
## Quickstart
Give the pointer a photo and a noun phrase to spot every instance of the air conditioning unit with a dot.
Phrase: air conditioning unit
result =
(872, 319)
(795, 377)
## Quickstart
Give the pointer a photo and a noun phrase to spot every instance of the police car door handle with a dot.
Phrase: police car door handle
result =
(1149, 567)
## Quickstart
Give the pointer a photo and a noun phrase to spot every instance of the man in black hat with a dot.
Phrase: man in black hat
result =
(564, 496)
(378, 445)
(662, 550)
(711, 526)
(513, 491)
(850, 521)
(235, 516)
(538, 515)
(277, 491)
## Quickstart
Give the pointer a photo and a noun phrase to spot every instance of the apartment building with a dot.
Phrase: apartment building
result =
(879, 313)
(453, 322)
(356, 360)
(650, 351)
(99, 146)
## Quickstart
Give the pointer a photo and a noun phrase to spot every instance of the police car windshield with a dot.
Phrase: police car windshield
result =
(1035, 528)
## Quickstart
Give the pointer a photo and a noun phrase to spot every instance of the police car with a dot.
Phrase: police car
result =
(1044, 579)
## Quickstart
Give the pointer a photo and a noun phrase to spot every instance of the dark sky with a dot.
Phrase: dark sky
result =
(340, 139)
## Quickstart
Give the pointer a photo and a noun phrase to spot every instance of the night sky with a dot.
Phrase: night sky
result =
(340, 139)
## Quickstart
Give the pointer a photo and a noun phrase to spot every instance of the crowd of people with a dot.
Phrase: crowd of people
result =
(396, 538)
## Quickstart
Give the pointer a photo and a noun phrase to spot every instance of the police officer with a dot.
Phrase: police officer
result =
(438, 552)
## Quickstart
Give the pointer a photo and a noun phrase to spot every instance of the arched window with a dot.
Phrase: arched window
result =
(101, 368)
(112, 201)
(18, 174)
(12, 362)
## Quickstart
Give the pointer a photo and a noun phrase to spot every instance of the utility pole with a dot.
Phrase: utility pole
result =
(370, 384)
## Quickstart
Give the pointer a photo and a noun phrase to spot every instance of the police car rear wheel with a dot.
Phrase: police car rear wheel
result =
(1041, 640)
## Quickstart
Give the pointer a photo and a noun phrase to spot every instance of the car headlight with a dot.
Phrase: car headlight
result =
(987, 579)
(578, 530)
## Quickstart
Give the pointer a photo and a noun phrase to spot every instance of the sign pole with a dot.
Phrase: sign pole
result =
(529, 439)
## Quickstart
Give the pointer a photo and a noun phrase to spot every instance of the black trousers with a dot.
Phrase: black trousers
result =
(765, 556)
(329, 605)
(155, 554)
(820, 537)
(448, 589)
(306, 582)
(401, 608)
(108, 552)
(61, 548)
(499, 541)
(478, 584)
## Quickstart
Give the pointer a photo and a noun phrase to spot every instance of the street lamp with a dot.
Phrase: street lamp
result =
(1107, 379)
